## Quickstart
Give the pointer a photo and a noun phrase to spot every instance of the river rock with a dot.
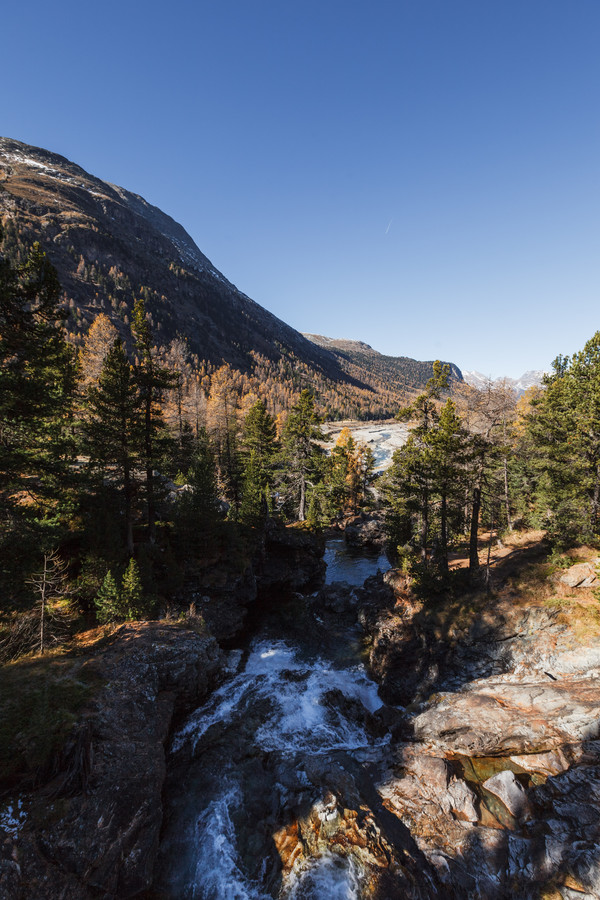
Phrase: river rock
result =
(366, 531)
(338, 597)
(511, 792)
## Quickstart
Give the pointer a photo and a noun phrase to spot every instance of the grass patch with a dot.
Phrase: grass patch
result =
(41, 700)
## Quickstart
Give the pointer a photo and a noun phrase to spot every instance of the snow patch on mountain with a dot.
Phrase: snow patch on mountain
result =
(532, 378)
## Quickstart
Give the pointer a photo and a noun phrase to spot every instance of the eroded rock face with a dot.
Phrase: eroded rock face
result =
(100, 837)
(223, 598)
(502, 716)
(499, 786)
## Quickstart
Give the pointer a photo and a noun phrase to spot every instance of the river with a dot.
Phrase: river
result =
(258, 755)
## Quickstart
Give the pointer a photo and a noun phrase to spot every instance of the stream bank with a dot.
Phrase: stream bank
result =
(356, 743)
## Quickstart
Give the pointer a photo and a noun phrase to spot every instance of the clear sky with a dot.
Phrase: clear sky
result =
(422, 175)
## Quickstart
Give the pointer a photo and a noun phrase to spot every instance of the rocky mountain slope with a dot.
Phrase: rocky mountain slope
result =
(398, 372)
(110, 246)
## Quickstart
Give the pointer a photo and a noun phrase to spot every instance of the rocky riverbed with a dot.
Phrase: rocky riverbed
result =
(357, 743)
(382, 437)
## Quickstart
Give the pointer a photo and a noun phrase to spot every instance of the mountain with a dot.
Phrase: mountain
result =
(400, 373)
(110, 246)
(533, 378)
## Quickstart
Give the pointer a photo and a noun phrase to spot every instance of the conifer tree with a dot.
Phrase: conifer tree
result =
(564, 434)
(425, 483)
(98, 341)
(300, 451)
(37, 370)
(258, 451)
(197, 515)
(37, 380)
(412, 471)
(113, 429)
(108, 600)
(152, 381)
(132, 593)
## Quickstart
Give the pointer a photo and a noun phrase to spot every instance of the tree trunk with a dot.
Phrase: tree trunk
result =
(151, 510)
(595, 502)
(301, 508)
(424, 525)
(506, 501)
(128, 491)
(489, 552)
(43, 587)
(505, 465)
(473, 555)
(444, 536)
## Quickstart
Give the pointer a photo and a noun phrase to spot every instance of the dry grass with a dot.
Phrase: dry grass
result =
(40, 702)
(523, 574)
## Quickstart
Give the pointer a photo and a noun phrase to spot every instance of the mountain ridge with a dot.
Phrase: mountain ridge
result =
(402, 372)
(110, 247)
(531, 378)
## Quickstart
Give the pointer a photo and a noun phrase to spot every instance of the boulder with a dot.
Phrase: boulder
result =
(338, 597)
(507, 717)
(581, 575)
(366, 532)
(96, 827)
(511, 792)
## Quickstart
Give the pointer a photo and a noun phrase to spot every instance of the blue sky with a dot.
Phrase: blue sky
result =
(422, 175)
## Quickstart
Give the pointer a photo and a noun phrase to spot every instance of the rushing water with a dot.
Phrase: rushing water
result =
(251, 751)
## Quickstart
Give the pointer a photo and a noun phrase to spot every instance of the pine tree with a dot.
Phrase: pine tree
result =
(113, 429)
(447, 444)
(257, 454)
(564, 434)
(300, 451)
(109, 606)
(132, 593)
(37, 379)
(412, 469)
(37, 370)
(152, 381)
(425, 483)
(197, 517)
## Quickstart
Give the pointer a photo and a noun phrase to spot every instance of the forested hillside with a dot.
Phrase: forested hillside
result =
(401, 374)
(110, 248)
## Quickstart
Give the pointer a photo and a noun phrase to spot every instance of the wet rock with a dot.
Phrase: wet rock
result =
(353, 711)
(339, 598)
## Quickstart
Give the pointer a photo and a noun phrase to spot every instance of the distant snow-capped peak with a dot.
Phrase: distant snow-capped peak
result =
(532, 378)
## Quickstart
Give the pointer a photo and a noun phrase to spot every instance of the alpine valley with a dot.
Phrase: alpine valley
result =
(246, 655)
(110, 246)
